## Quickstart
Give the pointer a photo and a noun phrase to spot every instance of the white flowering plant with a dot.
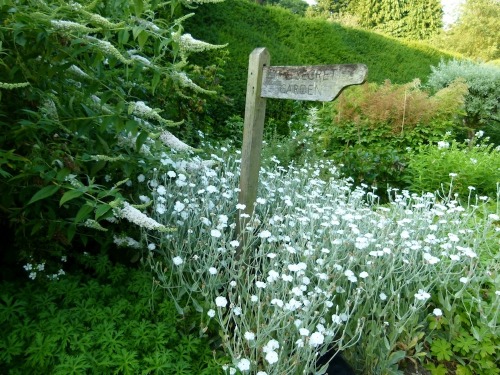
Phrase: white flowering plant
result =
(469, 169)
(89, 100)
(320, 264)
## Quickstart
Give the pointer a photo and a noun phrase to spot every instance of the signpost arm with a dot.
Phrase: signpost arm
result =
(255, 111)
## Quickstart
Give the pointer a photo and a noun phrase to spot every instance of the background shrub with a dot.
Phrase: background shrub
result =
(472, 168)
(482, 100)
(369, 129)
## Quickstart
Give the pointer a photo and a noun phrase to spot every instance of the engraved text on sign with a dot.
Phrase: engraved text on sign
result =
(318, 83)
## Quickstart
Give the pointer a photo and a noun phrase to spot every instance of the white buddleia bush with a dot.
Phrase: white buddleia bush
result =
(89, 95)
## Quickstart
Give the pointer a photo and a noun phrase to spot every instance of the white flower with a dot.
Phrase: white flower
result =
(422, 295)
(383, 296)
(211, 189)
(141, 178)
(273, 276)
(215, 233)
(277, 302)
(171, 174)
(297, 267)
(171, 140)
(261, 373)
(161, 208)
(177, 260)
(254, 298)
(249, 336)
(264, 234)
(211, 313)
(336, 319)
(271, 345)
(144, 199)
(212, 271)
(443, 144)
(260, 284)
(271, 357)
(151, 246)
(179, 206)
(437, 312)
(430, 258)
(316, 339)
(234, 243)
(363, 275)
(237, 311)
(240, 206)
(244, 364)
(260, 201)
(464, 280)
(135, 216)
(221, 301)
(161, 190)
(304, 332)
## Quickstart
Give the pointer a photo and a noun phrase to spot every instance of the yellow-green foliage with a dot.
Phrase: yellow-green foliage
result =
(397, 108)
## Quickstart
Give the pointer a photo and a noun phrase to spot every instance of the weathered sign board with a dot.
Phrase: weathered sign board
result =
(316, 83)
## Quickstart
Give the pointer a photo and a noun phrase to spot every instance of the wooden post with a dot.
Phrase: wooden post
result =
(255, 112)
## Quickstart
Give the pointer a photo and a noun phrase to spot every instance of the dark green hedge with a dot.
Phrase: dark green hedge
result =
(294, 40)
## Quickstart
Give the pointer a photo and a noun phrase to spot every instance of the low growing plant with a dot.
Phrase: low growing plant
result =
(110, 319)
(472, 165)
(317, 264)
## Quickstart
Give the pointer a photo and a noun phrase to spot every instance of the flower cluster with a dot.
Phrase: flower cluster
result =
(318, 263)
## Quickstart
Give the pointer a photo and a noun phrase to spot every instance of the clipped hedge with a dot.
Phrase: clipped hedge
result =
(293, 40)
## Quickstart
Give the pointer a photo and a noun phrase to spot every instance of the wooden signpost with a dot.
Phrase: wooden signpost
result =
(317, 83)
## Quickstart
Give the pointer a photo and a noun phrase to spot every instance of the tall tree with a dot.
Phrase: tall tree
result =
(477, 32)
(412, 19)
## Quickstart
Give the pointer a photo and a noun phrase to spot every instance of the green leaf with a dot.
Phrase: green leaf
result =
(139, 7)
(437, 370)
(140, 140)
(396, 357)
(43, 193)
(69, 195)
(101, 210)
(143, 38)
(83, 213)
(70, 233)
(464, 344)
(441, 349)
(156, 81)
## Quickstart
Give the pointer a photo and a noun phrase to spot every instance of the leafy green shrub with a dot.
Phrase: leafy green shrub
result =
(482, 103)
(110, 320)
(369, 129)
(90, 97)
(473, 168)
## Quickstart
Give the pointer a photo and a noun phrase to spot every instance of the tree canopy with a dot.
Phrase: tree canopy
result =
(477, 31)
(416, 19)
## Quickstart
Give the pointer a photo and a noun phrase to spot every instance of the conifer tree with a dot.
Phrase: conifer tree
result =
(413, 19)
